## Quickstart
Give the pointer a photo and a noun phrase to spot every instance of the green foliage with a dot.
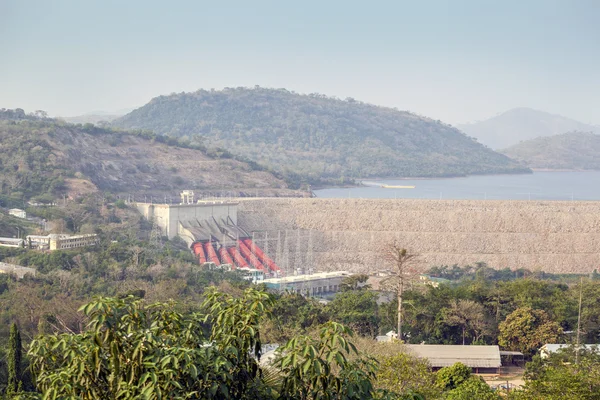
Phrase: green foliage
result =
(357, 309)
(315, 138)
(407, 375)
(321, 369)
(133, 350)
(15, 372)
(560, 377)
(458, 383)
(354, 282)
(527, 329)
(472, 388)
(293, 314)
(449, 378)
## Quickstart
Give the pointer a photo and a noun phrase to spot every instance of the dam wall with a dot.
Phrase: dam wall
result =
(351, 234)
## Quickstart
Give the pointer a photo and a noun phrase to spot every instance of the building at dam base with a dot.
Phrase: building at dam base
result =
(169, 216)
(210, 229)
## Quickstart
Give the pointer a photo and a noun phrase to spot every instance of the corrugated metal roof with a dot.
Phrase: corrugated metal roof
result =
(440, 355)
(510, 353)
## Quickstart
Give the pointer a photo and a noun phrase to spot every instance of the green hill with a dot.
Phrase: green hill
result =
(572, 150)
(44, 159)
(318, 137)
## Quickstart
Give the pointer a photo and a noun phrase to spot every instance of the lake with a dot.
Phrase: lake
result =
(537, 186)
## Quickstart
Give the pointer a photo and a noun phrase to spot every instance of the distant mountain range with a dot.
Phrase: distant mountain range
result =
(571, 151)
(94, 117)
(318, 138)
(519, 124)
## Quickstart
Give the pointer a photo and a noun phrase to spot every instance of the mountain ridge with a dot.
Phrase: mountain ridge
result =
(568, 151)
(317, 137)
(522, 123)
(43, 157)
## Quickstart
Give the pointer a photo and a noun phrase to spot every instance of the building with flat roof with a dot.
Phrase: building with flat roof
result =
(481, 359)
(549, 348)
(313, 285)
(17, 212)
(11, 242)
(170, 217)
(17, 270)
(66, 242)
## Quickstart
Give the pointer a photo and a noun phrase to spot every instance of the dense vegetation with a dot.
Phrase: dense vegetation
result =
(42, 159)
(480, 306)
(317, 137)
(572, 150)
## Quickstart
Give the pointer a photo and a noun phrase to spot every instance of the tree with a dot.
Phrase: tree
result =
(321, 368)
(15, 372)
(449, 378)
(403, 264)
(469, 316)
(357, 309)
(459, 383)
(526, 330)
(472, 388)
(354, 282)
(559, 377)
(134, 350)
(404, 374)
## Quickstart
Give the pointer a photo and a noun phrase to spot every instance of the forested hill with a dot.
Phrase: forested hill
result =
(46, 158)
(572, 150)
(319, 137)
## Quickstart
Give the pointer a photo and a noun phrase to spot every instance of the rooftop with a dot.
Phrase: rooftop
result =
(554, 347)
(440, 355)
(305, 278)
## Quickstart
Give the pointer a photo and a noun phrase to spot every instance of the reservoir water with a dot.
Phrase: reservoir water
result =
(537, 186)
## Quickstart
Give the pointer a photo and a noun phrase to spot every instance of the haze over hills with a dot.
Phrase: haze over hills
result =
(94, 117)
(571, 151)
(520, 124)
(48, 158)
(318, 137)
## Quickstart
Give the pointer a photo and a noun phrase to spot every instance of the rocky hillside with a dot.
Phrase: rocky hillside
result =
(48, 158)
(572, 150)
(318, 137)
(518, 124)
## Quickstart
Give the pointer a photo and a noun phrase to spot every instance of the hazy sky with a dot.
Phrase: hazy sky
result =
(452, 60)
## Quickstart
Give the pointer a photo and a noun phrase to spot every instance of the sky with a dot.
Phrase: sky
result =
(454, 60)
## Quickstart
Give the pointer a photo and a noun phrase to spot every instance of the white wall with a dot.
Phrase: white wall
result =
(168, 216)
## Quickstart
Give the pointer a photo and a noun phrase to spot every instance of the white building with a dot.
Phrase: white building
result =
(17, 270)
(320, 284)
(253, 275)
(17, 212)
(549, 348)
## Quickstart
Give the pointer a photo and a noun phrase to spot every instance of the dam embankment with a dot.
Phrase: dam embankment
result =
(350, 234)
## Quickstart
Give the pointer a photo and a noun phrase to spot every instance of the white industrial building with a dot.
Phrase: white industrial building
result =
(17, 212)
(313, 285)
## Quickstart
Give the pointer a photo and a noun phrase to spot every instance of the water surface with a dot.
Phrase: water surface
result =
(537, 186)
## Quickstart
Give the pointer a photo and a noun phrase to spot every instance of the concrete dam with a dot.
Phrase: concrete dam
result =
(351, 234)
(284, 236)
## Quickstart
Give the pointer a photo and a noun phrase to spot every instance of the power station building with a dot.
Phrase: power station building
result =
(210, 229)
